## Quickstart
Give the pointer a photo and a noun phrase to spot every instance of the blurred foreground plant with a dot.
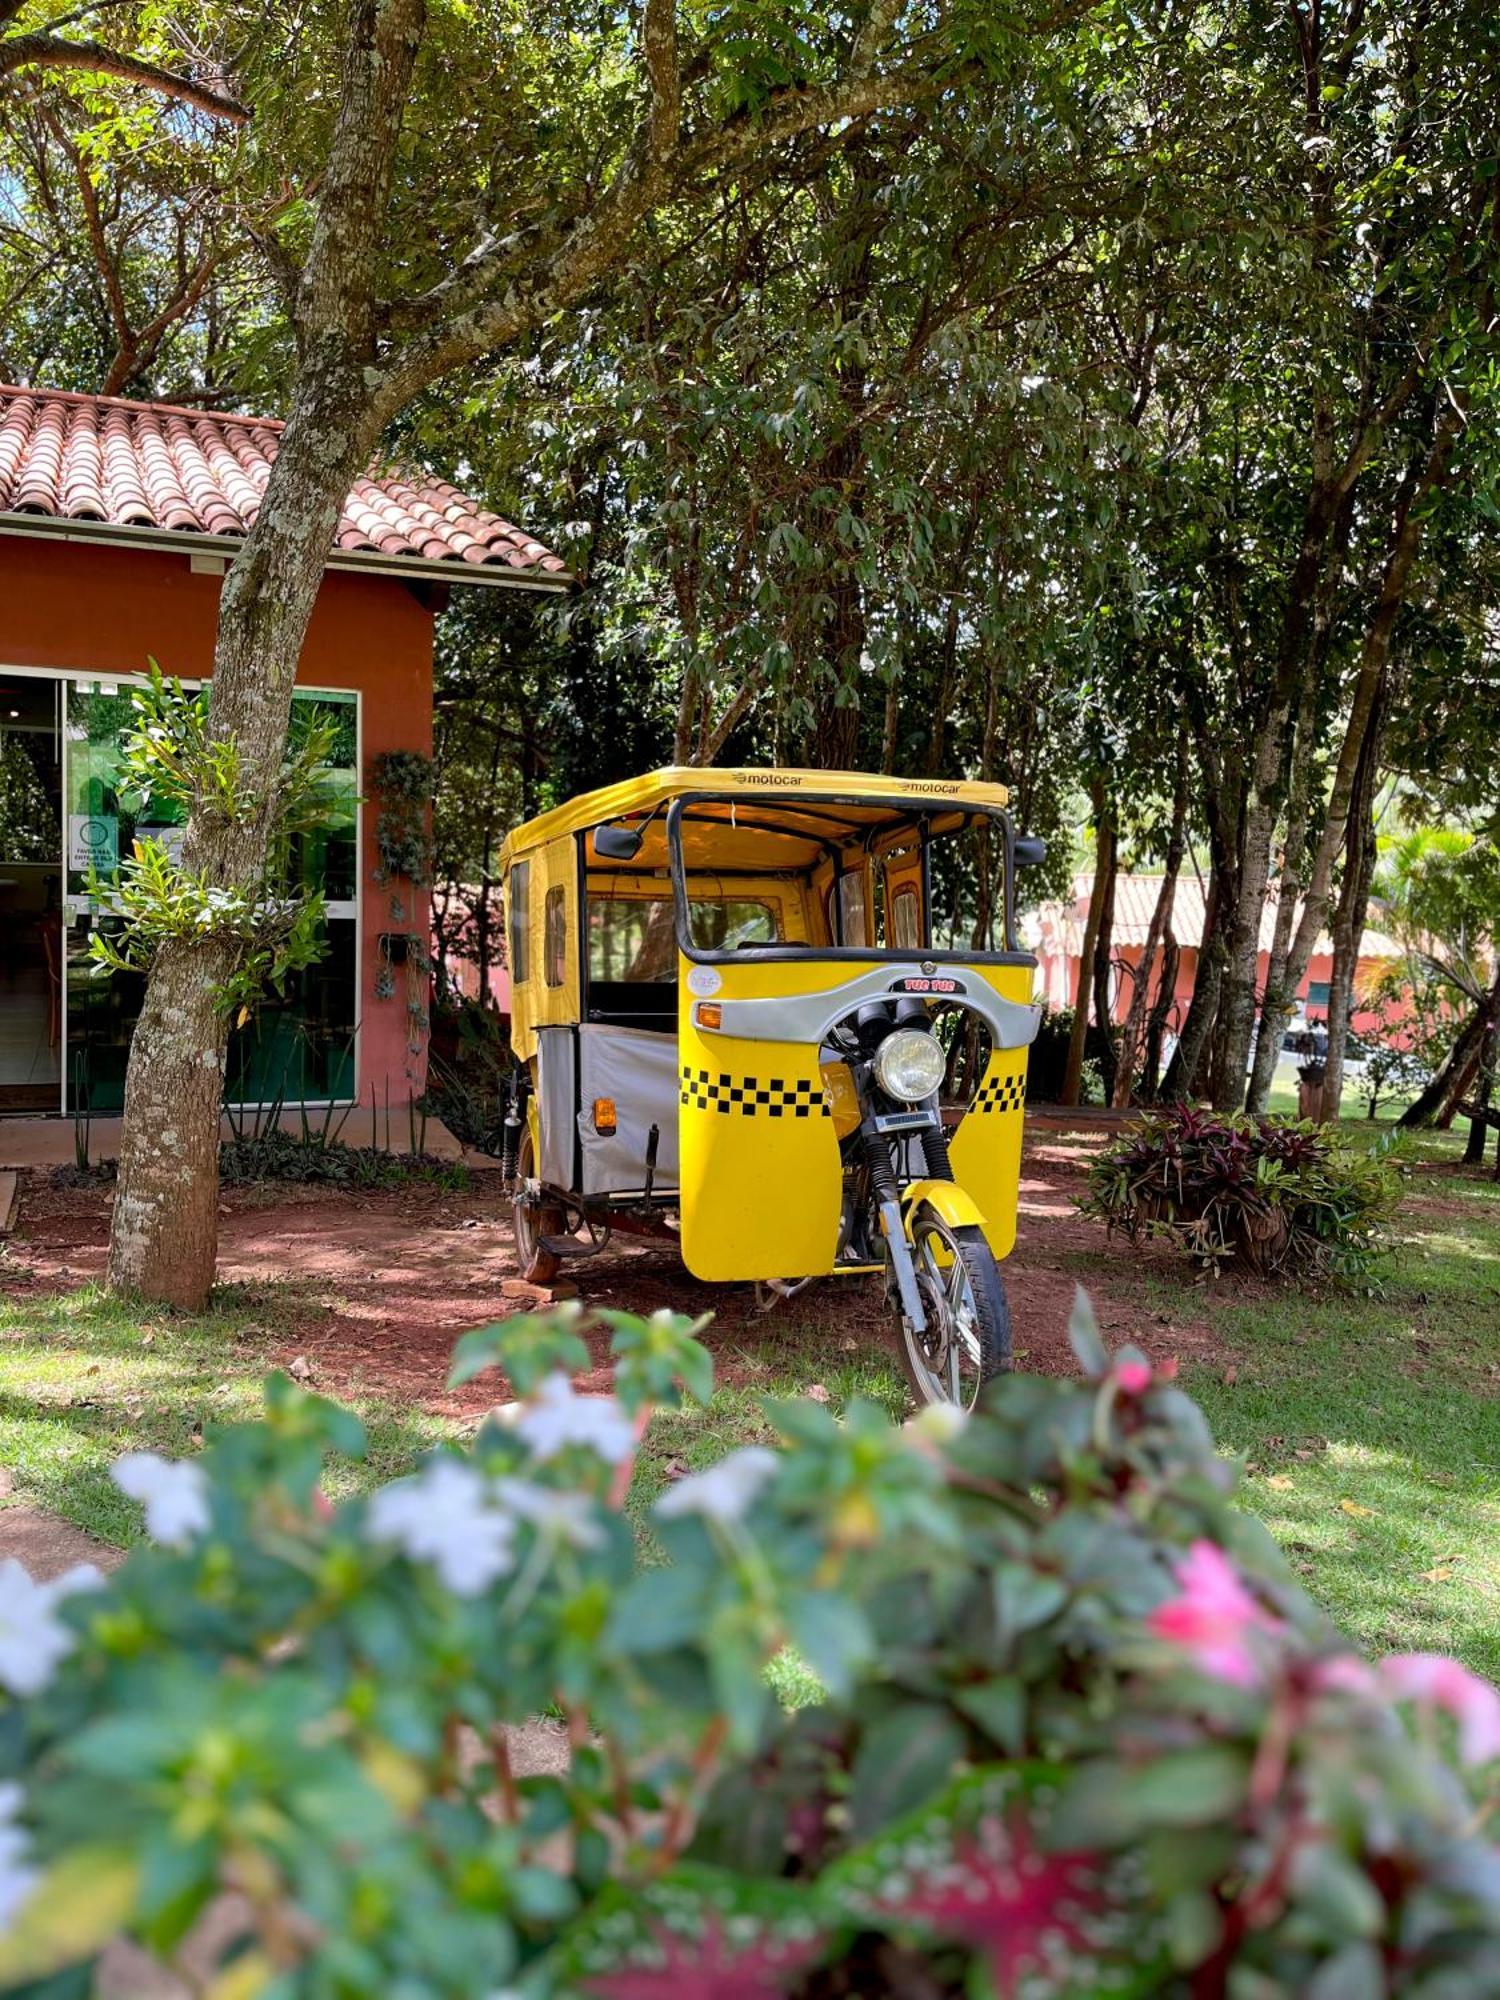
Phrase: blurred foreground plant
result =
(1081, 1733)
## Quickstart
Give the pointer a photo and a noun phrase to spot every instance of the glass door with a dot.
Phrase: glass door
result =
(30, 895)
(298, 1046)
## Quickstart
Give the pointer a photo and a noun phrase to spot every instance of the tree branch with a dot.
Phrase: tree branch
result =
(542, 285)
(659, 48)
(52, 52)
(108, 267)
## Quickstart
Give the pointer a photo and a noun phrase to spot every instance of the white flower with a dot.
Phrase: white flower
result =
(725, 1490)
(444, 1516)
(173, 1491)
(563, 1516)
(17, 1877)
(937, 1424)
(556, 1417)
(32, 1638)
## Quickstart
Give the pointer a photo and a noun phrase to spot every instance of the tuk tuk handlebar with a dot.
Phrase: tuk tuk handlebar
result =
(808, 1017)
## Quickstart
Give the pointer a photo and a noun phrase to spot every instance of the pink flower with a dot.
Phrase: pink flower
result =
(1134, 1377)
(1214, 1618)
(1344, 1674)
(1438, 1682)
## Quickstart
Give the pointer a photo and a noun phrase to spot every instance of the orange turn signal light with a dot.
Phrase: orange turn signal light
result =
(709, 1014)
(604, 1117)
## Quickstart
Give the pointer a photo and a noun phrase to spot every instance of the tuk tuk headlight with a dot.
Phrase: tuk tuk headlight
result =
(910, 1065)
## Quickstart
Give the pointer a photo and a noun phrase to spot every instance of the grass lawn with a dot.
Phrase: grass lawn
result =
(1372, 1427)
(84, 1378)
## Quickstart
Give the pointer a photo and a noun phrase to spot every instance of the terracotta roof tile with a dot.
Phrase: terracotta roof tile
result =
(147, 465)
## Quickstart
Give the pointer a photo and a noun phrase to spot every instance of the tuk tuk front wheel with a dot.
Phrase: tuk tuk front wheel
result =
(966, 1341)
(533, 1220)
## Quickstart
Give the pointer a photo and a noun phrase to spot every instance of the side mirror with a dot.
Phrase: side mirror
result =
(617, 843)
(1030, 850)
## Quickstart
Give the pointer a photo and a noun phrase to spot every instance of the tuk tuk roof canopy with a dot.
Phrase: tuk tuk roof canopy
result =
(865, 799)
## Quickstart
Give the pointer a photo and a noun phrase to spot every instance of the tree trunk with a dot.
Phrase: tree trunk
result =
(890, 735)
(1302, 645)
(1104, 841)
(1282, 980)
(1364, 709)
(164, 1231)
(1180, 1081)
(1156, 1026)
(1159, 926)
(1354, 899)
(1461, 1058)
(1103, 966)
(164, 1234)
(1484, 1090)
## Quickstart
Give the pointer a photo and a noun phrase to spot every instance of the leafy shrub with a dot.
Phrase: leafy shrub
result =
(1271, 1195)
(1082, 1733)
(467, 1066)
(1047, 1059)
(273, 1154)
(1386, 1070)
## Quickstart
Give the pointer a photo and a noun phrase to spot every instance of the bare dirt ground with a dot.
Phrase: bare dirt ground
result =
(381, 1284)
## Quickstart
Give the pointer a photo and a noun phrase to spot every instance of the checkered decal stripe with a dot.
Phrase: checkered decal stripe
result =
(747, 1095)
(1002, 1093)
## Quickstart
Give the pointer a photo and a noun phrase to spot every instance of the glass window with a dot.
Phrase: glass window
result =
(326, 856)
(1317, 992)
(906, 918)
(298, 1045)
(518, 920)
(634, 938)
(725, 923)
(555, 936)
(850, 922)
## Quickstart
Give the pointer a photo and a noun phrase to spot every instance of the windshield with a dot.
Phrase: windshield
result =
(867, 877)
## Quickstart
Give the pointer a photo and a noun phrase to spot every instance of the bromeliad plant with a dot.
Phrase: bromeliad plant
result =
(1081, 1733)
(1268, 1195)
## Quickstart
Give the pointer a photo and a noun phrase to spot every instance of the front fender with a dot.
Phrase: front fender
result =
(946, 1200)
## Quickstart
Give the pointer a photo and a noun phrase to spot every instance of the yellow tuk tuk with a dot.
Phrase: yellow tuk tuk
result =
(779, 1017)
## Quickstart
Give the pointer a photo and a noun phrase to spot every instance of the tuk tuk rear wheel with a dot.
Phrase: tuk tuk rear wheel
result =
(966, 1342)
(533, 1220)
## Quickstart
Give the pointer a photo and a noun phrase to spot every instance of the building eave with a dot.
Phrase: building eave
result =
(356, 562)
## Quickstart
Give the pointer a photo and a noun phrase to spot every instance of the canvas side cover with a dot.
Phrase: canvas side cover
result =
(760, 1176)
(637, 1073)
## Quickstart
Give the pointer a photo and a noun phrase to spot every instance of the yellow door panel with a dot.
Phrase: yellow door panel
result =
(985, 1151)
(760, 1178)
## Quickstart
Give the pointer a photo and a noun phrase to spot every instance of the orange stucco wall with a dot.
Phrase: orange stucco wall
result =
(83, 607)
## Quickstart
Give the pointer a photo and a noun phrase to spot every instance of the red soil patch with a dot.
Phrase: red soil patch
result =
(382, 1284)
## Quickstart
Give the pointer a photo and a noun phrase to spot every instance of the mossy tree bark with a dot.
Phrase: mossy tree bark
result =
(164, 1234)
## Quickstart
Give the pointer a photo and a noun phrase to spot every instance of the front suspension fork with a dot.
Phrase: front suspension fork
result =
(902, 1269)
(887, 1192)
